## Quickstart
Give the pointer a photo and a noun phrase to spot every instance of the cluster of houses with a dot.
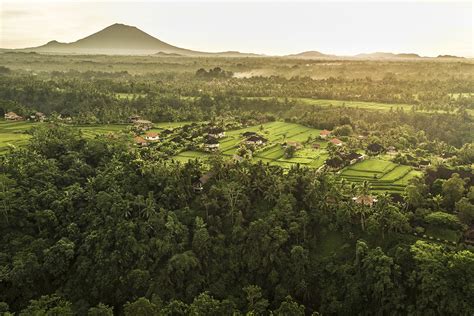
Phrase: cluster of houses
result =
(325, 134)
(37, 117)
(140, 124)
(211, 140)
(255, 139)
(149, 137)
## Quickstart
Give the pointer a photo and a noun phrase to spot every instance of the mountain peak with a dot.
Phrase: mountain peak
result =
(119, 38)
(120, 26)
(122, 39)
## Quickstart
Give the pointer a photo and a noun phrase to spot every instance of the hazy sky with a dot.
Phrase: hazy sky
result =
(271, 27)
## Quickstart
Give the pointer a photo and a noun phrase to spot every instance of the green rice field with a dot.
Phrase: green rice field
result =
(382, 175)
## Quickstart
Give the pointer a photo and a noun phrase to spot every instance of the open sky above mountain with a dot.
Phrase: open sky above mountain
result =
(269, 27)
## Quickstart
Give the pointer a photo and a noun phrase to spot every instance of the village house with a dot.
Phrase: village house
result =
(12, 116)
(38, 117)
(211, 144)
(140, 141)
(324, 134)
(134, 118)
(199, 184)
(423, 164)
(249, 134)
(143, 125)
(336, 142)
(152, 136)
(216, 132)
(391, 150)
(65, 118)
(366, 200)
(255, 140)
(316, 145)
(354, 157)
(297, 145)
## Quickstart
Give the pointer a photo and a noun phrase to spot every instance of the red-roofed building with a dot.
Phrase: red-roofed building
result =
(367, 200)
(152, 136)
(336, 142)
(324, 133)
(140, 141)
(12, 116)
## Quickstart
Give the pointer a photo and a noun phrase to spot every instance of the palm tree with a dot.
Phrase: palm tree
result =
(437, 200)
(149, 209)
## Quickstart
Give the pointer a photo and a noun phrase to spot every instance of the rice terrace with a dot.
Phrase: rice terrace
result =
(382, 174)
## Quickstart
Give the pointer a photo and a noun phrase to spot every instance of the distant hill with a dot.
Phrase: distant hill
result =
(378, 55)
(449, 56)
(310, 55)
(381, 55)
(168, 54)
(122, 39)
